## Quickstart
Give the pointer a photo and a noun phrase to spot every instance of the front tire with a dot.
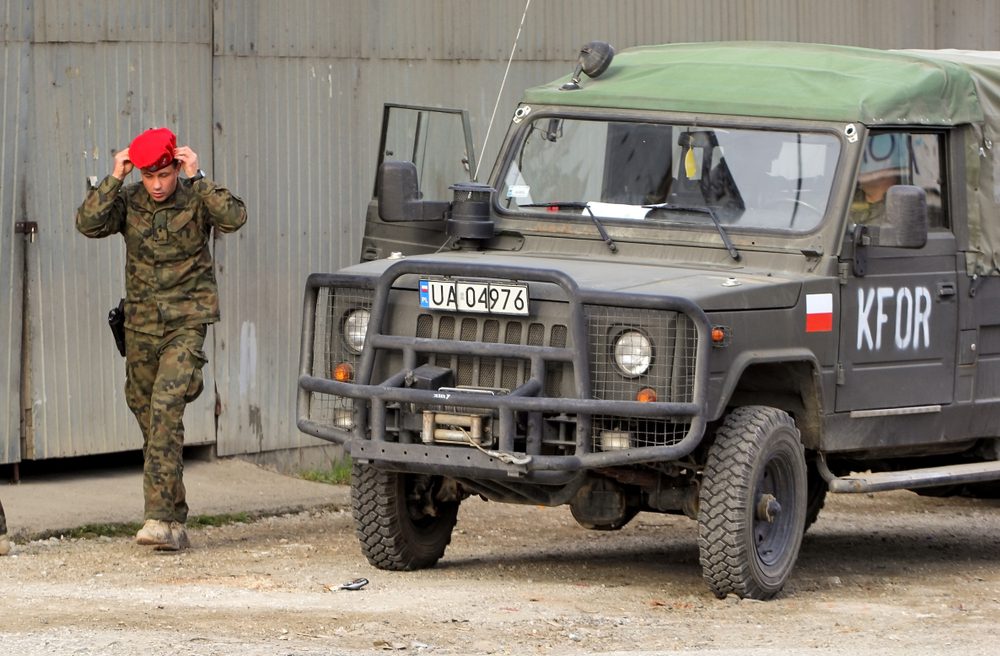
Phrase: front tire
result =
(400, 519)
(752, 506)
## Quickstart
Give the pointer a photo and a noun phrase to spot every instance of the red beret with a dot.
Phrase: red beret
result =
(153, 149)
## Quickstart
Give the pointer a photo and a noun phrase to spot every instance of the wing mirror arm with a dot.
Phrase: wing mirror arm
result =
(399, 196)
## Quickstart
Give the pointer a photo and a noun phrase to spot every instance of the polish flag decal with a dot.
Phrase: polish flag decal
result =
(819, 313)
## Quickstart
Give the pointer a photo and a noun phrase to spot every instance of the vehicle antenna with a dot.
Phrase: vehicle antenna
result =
(527, 4)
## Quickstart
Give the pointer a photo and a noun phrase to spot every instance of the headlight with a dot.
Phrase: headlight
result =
(633, 353)
(615, 440)
(343, 414)
(355, 327)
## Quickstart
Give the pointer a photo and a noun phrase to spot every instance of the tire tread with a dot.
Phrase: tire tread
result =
(726, 478)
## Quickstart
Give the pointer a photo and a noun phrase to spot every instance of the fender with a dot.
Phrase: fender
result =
(747, 359)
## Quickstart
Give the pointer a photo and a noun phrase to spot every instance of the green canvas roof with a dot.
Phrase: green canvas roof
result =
(780, 80)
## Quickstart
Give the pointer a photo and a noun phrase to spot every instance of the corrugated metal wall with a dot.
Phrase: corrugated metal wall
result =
(98, 96)
(14, 115)
(282, 101)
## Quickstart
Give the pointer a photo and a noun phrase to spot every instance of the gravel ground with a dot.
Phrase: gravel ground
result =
(884, 574)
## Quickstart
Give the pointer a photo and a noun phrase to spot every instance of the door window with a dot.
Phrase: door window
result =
(437, 141)
(899, 157)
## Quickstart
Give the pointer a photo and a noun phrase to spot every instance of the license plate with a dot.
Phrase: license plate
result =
(474, 296)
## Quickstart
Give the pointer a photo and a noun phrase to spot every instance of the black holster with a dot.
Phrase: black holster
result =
(116, 319)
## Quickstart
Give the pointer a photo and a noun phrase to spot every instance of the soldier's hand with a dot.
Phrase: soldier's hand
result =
(122, 165)
(188, 159)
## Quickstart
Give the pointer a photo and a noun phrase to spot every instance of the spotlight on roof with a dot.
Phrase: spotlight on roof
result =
(594, 59)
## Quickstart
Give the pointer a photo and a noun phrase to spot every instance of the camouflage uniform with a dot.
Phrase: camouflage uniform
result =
(170, 297)
(868, 213)
(864, 212)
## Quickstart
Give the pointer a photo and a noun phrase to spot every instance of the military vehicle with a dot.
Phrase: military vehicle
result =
(717, 279)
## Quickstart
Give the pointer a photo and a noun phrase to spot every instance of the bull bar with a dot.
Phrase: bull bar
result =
(463, 460)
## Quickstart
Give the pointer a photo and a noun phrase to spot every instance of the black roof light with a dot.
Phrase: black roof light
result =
(594, 59)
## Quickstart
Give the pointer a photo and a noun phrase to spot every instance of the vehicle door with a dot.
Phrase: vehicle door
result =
(899, 306)
(439, 143)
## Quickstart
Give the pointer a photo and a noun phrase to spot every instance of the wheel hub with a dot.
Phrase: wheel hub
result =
(768, 508)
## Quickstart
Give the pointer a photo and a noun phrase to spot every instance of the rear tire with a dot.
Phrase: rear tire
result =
(816, 489)
(753, 504)
(399, 520)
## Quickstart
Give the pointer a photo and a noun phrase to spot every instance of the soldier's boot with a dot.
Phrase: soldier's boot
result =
(4, 545)
(179, 540)
(182, 536)
(156, 533)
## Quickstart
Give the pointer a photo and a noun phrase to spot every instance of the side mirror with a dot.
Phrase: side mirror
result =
(906, 218)
(399, 197)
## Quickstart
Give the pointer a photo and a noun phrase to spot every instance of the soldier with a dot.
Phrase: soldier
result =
(170, 298)
(883, 164)
(4, 541)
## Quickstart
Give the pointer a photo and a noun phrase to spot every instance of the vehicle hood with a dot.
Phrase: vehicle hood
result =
(711, 289)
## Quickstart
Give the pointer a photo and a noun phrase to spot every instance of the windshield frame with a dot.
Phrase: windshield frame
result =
(543, 222)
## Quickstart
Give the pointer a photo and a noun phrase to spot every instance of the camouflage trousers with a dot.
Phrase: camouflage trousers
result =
(3, 521)
(163, 374)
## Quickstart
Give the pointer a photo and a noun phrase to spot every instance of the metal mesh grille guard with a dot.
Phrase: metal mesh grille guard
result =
(599, 402)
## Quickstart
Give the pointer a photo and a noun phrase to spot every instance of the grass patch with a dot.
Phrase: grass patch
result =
(91, 531)
(201, 521)
(339, 474)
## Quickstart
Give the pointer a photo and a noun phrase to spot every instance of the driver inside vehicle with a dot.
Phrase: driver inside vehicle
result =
(882, 165)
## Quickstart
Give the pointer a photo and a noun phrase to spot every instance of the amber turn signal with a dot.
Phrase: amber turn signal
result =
(646, 395)
(343, 372)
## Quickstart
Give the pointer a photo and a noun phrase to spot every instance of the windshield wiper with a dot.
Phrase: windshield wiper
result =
(699, 209)
(580, 205)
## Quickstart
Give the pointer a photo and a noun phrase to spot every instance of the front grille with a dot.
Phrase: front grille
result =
(492, 372)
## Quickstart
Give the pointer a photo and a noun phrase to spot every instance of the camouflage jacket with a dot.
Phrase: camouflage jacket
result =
(169, 274)
(868, 213)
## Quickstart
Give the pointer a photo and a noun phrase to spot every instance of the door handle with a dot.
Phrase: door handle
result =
(945, 289)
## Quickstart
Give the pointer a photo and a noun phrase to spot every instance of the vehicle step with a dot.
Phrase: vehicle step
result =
(973, 472)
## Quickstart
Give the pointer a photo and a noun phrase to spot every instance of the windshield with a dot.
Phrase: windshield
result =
(673, 174)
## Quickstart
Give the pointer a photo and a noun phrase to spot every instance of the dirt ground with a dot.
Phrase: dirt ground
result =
(885, 574)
